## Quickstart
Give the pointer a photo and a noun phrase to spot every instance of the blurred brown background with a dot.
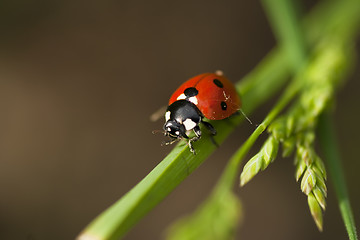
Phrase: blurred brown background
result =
(78, 82)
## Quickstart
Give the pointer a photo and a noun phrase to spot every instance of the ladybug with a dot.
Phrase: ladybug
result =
(208, 95)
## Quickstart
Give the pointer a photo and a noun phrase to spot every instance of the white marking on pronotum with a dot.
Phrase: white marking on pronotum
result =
(193, 100)
(167, 115)
(181, 97)
(189, 124)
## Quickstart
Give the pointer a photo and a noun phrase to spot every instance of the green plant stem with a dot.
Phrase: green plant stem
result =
(332, 157)
(282, 15)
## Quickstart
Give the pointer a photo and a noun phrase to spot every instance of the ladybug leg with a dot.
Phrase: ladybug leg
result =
(191, 147)
(210, 128)
(212, 131)
(197, 132)
(170, 142)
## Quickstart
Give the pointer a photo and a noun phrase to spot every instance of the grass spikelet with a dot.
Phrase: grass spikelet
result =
(260, 161)
(315, 210)
(296, 128)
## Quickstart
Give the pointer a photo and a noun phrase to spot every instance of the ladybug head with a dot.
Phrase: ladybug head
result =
(174, 129)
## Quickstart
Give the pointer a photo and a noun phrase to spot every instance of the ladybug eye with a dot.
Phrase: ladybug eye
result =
(218, 83)
(223, 106)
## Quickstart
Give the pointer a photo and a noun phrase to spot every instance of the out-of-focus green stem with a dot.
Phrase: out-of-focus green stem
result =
(285, 23)
(332, 157)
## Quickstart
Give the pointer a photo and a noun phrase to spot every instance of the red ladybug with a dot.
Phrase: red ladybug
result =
(208, 95)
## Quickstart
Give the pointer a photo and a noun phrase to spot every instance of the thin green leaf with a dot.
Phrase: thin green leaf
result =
(285, 23)
(332, 157)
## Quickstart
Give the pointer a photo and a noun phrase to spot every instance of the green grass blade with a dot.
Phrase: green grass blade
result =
(283, 16)
(333, 160)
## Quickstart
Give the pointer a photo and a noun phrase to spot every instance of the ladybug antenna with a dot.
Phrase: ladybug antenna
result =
(243, 113)
(158, 114)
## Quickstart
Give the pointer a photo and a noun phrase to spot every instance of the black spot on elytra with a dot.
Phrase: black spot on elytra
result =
(191, 92)
(218, 83)
(223, 106)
